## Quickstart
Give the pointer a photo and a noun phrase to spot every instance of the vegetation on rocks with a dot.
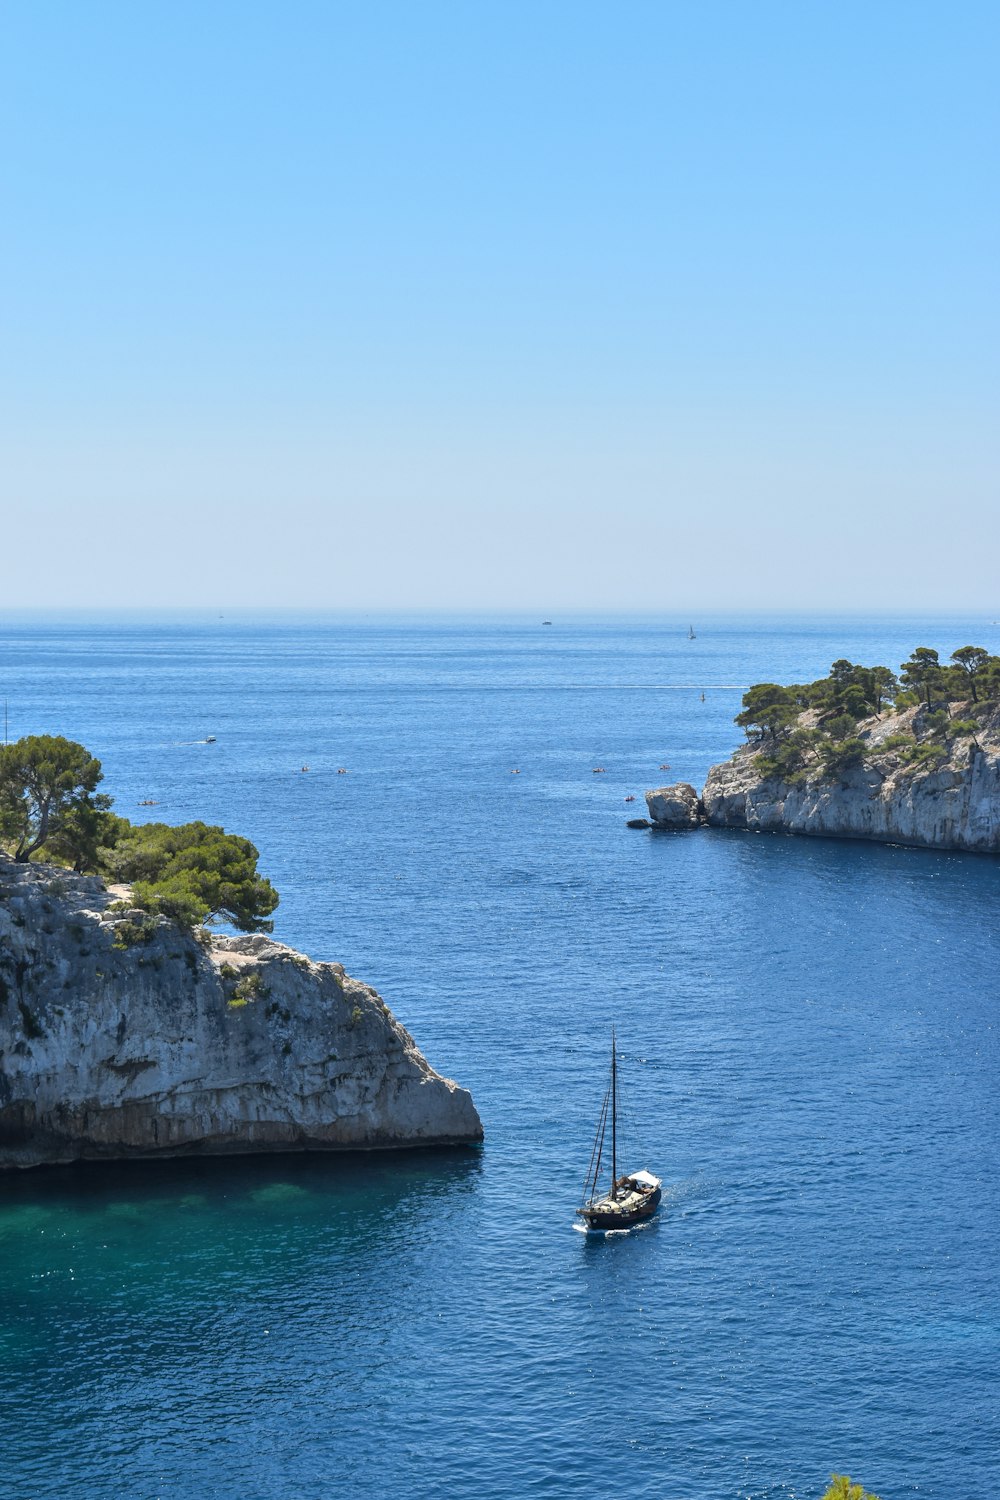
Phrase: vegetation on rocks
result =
(841, 1488)
(251, 987)
(50, 809)
(804, 730)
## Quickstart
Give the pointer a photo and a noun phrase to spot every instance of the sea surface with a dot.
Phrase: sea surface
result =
(807, 1034)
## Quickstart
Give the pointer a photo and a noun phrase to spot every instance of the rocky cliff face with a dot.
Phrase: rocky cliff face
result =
(952, 803)
(113, 1046)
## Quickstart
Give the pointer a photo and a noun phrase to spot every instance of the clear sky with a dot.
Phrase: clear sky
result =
(546, 305)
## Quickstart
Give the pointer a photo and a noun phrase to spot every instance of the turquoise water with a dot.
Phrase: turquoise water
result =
(808, 1036)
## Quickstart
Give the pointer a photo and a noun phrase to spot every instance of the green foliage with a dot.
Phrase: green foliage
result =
(937, 723)
(840, 726)
(775, 767)
(852, 690)
(771, 713)
(837, 755)
(927, 755)
(884, 686)
(768, 710)
(194, 873)
(787, 759)
(922, 673)
(251, 987)
(130, 933)
(228, 971)
(841, 1488)
(47, 787)
(973, 662)
(85, 835)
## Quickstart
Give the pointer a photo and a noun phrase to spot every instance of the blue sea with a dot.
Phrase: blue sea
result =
(807, 1034)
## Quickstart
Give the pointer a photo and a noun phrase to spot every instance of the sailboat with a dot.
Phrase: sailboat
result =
(630, 1199)
(691, 634)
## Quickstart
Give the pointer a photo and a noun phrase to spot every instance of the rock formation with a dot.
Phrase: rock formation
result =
(677, 806)
(951, 801)
(124, 1035)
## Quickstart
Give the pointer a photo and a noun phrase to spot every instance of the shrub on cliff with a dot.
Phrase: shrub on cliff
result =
(193, 873)
(897, 742)
(926, 757)
(837, 755)
(787, 759)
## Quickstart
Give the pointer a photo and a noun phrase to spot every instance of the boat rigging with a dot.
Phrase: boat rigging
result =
(630, 1199)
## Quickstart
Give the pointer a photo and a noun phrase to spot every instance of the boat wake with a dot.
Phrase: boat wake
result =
(614, 1234)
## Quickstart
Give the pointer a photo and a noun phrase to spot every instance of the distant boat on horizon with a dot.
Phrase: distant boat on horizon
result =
(691, 634)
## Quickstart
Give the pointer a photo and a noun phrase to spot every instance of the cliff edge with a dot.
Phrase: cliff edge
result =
(124, 1035)
(910, 783)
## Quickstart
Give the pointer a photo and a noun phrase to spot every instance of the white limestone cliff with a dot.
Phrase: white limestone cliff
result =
(174, 1046)
(952, 804)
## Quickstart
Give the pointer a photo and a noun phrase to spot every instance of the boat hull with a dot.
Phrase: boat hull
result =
(604, 1219)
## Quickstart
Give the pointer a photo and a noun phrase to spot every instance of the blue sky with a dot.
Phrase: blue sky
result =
(649, 306)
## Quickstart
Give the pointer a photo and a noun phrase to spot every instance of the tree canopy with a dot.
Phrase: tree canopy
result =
(769, 708)
(192, 873)
(195, 872)
(974, 662)
(922, 672)
(861, 692)
(47, 787)
(841, 1488)
(771, 713)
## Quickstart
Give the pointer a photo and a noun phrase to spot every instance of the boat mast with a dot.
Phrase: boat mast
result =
(596, 1155)
(614, 1116)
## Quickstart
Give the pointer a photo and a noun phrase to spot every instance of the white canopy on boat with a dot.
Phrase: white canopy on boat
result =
(645, 1179)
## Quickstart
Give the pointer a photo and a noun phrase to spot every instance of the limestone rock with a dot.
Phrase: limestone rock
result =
(172, 1046)
(677, 806)
(954, 804)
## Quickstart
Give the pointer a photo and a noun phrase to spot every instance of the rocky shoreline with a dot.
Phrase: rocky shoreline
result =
(949, 801)
(128, 1036)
